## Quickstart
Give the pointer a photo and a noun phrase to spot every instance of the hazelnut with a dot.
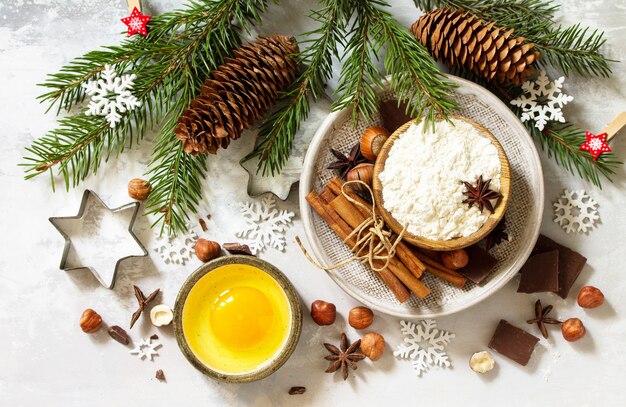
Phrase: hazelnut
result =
(455, 259)
(139, 189)
(573, 329)
(362, 172)
(482, 362)
(90, 321)
(207, 250)
(372, 141)
(323, 313)
(590, 297)
(373, 345)
(360, 317)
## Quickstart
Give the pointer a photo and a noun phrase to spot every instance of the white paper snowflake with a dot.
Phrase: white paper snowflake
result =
(542, 100)
(576, 211)
(264, 224)
(178, 249)
(111, 95)
(424, 345)
(146, 349)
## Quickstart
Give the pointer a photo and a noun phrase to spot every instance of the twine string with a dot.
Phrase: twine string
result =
(373, 242)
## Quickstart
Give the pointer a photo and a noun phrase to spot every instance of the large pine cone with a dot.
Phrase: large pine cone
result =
(461, 39)
(238, 93)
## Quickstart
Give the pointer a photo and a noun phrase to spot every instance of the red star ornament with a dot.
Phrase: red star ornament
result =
(595, 144)
(137, 23)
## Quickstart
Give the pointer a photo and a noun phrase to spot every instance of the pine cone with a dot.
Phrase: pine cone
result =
(460, 39)
(238, 93)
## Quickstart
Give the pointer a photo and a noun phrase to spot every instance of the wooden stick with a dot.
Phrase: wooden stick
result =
(618, 123)
(402, 251)
(342, 229)
(346, 210)
(440, 270)
(132, 4)
(432, 254)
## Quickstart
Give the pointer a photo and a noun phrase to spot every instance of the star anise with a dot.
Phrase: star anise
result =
(142, 300)
(344, 357)
(497, 235)
(541, 318)
(345, 164)
(480, 194)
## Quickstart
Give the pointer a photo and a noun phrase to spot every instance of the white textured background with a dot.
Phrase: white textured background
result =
(46, 360)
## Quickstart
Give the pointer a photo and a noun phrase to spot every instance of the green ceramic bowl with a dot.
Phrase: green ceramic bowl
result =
(292, 337)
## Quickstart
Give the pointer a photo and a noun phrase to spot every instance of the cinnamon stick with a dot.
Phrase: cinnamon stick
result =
(403, 252)
(438, 269)
(342, 229)
(348, 212)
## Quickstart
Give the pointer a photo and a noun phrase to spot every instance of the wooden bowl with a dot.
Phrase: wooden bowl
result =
(456, 243)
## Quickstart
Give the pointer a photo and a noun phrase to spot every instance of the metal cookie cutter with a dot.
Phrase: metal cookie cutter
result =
(79, 215)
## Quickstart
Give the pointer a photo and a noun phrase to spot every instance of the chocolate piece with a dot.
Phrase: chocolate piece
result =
(237, 248)
(393, 115)
(513, 342)
(571, 263)
(160, 375)
(480, 264)
(540, 273)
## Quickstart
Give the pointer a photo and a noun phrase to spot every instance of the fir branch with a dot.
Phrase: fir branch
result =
(414, 75)
(278, 130)
(576, 49)
(65, 86)
(170, 64)
(359, 77)
(562, 141)
(176, 178)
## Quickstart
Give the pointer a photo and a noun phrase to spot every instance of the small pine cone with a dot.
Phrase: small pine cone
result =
(238, 93)
(461, 39)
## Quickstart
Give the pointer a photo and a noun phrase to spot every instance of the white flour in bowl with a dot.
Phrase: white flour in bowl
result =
(421, 182)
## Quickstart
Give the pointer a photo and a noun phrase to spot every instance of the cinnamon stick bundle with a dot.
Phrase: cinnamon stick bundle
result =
(395, 266)
(354, 218)
(342, 229)
(405, 255)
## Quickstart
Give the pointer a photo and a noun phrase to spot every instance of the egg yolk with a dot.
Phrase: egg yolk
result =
(241, 317)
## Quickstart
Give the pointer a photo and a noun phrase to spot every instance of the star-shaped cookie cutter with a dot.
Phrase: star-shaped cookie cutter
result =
(81, 211)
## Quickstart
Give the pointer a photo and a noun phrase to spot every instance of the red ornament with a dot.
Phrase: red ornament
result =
(137, 23)
(595, 145)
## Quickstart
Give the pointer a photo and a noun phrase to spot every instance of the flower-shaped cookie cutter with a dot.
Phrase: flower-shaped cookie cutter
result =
(81, 211)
